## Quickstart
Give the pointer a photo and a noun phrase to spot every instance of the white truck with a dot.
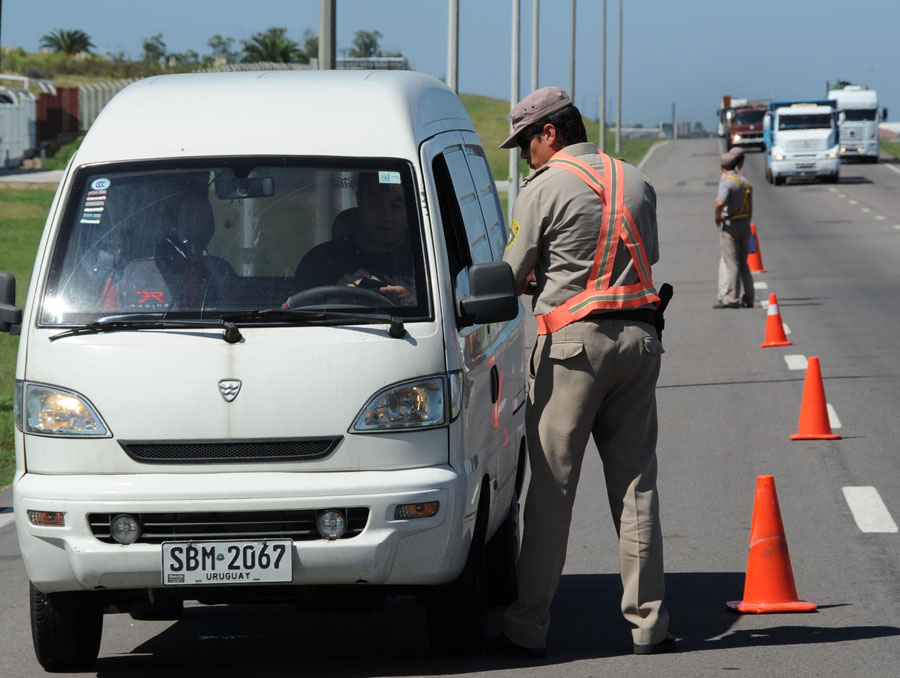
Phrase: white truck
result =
(859, 122)
(802, 140)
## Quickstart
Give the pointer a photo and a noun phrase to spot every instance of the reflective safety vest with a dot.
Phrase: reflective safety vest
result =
(617, 226)
(744, 211)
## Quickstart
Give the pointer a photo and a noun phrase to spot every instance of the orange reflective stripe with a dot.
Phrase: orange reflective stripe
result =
(617, 225)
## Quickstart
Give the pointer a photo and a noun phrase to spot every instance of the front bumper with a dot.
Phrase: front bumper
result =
(386, 552)
(805, 167)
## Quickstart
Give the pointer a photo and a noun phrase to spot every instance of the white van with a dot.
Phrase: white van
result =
(859, 122)
(269, 351)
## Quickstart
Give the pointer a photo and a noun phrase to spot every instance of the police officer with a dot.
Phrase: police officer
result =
(734, 207)
(584, 229)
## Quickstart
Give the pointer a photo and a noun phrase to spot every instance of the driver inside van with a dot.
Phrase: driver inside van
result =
(373, 252)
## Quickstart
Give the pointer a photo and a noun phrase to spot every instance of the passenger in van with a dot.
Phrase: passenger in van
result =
(179, 274)
(370, 246)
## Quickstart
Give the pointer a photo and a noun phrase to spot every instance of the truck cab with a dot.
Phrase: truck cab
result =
(802, 140)
(859, 122)
(747, 127)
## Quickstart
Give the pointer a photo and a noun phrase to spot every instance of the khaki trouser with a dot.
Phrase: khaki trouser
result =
(734, 243)
(592, 378)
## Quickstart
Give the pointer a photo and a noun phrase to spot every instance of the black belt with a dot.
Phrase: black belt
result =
(641, 315)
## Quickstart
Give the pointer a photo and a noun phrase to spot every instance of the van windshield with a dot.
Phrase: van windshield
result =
(192, 240)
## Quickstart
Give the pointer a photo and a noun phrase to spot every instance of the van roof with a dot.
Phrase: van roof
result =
(331, 113)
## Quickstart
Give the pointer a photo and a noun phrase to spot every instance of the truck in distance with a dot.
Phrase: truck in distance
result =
(746, 126)
(859, 122)
(802, 140)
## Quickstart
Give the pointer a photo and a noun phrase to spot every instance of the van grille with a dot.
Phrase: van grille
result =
(296, 525)
(800, 145)
(199, 451)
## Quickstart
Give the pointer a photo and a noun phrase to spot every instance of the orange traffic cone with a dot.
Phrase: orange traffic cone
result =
(814, 424)
(769, 583)
(774, 328)
(754, 259)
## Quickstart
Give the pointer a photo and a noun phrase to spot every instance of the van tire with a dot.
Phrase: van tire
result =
(66, 629)
(503, 558)
(456, 613)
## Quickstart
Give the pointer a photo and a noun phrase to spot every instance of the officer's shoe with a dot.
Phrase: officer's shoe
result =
(667, 644)
(504, 647)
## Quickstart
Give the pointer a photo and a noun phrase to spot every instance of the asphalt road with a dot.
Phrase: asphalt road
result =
(727, 408)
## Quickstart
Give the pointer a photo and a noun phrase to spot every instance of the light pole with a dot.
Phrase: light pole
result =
(602, 115)
(572, 57)
(535, 30)
(513, 100)
(326, 34)
(453, 47)
(619, 92)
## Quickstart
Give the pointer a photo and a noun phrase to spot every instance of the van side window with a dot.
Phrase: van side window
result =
(451, 218)
(488, 198)
(469, 206)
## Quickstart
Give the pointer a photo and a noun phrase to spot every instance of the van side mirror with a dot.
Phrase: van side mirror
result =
(10, 314)
(492, 295)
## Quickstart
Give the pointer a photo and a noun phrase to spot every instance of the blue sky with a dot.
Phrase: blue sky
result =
(686, 52)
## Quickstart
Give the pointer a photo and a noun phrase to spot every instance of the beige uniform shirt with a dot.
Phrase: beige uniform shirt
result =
(556, 224)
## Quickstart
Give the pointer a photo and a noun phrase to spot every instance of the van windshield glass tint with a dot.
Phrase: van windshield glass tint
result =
(205, 240)
(809, 121)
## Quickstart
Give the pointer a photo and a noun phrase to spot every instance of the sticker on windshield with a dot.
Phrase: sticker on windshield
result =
(94, 204)
(389, 178)
(100, 184)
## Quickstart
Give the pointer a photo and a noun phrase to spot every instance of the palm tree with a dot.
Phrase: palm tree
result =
(271, 46)
(67, 42)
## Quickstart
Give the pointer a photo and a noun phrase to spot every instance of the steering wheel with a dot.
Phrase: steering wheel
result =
(337, 294)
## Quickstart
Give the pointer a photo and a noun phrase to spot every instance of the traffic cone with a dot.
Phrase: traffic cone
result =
(774, 328)
(814, 424)
(754, 259)
(769, 583)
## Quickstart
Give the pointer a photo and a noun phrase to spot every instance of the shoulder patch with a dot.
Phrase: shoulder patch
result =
(513, 232)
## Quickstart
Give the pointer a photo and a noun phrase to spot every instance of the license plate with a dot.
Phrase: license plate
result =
(191, 563)
(806, 165)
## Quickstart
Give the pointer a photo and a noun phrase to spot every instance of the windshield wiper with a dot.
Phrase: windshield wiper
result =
(299, 316)
(119, 323)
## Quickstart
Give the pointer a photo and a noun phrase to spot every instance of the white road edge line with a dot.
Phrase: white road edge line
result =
(869, 511)
(891, 167)
(787, 330)
(7, 519)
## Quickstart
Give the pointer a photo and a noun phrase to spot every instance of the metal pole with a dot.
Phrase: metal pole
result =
(453, 46)
(619, 90)
(603, 86)
(674, 128)
(513, 100)
(327, 35)
(572, 57)
(535, 23)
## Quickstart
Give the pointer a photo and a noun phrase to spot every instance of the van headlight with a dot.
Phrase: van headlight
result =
(48, 410)
(412, 405)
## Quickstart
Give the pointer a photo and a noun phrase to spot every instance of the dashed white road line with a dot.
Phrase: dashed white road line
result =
(880, 217)
(852, 202)
(760, 285)
(869, 511)
(866, 210)
(796, 361)
(833, 420)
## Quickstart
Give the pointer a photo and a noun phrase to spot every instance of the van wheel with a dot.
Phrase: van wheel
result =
(456, 613)
(65, 629)
(769, 175)
(778, 180)
(503, 558)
